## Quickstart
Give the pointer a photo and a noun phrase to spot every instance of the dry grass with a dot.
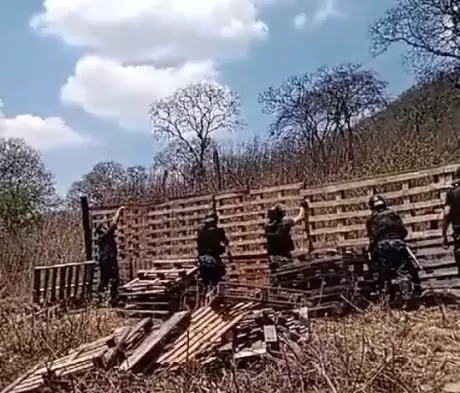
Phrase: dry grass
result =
(57, 239)
(377, 352)
(30, 338)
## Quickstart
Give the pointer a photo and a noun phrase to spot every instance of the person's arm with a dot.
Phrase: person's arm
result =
(370, 235)
(223, 237)
(446, 219)
(300, 216)
(116, 218)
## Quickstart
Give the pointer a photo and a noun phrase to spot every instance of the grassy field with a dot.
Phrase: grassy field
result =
(378, 351)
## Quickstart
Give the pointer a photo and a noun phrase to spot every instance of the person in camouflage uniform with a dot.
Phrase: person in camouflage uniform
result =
(388, 249)
(279, 240)
(211, 244)
(452, 216)
(108, 262)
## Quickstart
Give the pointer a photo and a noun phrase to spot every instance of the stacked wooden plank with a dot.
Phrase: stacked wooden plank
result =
(156, 292)
(324, 300)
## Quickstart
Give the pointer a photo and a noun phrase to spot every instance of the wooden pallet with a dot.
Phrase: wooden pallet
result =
(156, 292)
(64, 282)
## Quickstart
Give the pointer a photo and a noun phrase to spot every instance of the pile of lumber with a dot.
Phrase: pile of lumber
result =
(331, 281)
(158, 293)
(218, 330)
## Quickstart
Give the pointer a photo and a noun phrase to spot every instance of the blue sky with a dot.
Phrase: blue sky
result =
(76, 79)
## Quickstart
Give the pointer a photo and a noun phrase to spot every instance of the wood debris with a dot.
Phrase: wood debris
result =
(157, 293)
(218, 329)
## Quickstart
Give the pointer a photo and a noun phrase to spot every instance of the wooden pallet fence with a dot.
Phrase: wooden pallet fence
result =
(151, 235)
(338, 212)
(244, 214)
(64, 282)
(171, 227)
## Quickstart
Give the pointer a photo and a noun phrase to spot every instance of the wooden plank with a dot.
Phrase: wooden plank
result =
(209, 337)
(37, 284)
(54, 275)
(364, 213)
(46, 286)
(51, 267)
(362, 227)
(362, 242)
(379, 181)
(62, 282)
(77, 280)
(69, 281)
(151, 346)
(387, 195)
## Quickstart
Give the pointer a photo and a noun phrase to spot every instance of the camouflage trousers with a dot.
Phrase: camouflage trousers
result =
(211, 269)
(393, 263)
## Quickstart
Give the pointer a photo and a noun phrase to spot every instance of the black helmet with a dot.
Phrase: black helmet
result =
(211, 219)
(376, 202)
(276, 212)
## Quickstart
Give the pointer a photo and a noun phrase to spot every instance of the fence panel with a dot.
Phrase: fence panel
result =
(65, 282)
(338, 212)
(158, 234)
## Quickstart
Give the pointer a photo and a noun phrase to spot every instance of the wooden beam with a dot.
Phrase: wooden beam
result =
(154, 343)
(87, 233)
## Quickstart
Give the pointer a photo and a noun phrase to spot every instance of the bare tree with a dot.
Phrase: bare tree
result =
(102, 185)
(320, 109)
(191, 117)
(26, 185)
(429, 29)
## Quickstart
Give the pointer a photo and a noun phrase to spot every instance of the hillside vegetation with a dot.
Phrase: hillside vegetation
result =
(327, 124)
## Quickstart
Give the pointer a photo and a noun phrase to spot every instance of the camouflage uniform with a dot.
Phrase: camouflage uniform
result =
(388, 249)
(393, 262)
(279, 244)
(210, 269)
(211, 242)
(108, 261)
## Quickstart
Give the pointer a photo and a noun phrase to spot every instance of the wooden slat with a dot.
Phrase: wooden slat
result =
(77, 280)
(150, 347)
(54, 276)
(69, 281)
(47, 267)
(379, 181)
(62, 283)
(37, 283)
(431, 204)
(387, 195)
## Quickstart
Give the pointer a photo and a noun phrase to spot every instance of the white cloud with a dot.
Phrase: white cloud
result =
(106, 88)
(300, 21)
(155, 30)
(41, 133)
(327, 9)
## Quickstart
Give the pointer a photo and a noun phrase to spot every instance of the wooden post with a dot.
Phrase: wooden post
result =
(87, 233)
(88, 238)
(307, 225)
(37, 285)
(216, 159)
